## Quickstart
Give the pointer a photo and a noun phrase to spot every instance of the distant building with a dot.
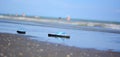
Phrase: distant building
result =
(68, 18)
(16, 14)
(23, 15)
(59, 18)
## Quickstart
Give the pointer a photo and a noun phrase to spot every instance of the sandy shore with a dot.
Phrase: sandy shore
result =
(12, 45)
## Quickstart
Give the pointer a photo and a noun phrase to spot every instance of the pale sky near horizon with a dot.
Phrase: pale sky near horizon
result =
(108, 10)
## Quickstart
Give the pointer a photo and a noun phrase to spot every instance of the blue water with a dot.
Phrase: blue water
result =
(78, 38)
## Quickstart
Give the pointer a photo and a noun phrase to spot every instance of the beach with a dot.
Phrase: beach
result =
(91, 40)
(14, 45)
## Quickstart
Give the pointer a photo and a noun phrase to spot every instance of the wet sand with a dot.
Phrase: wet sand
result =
(13, 45)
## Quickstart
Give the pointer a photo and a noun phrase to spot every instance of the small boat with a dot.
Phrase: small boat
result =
(21, 32)
(60, 35)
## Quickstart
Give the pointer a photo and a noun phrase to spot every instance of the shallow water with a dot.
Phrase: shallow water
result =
(78, 38)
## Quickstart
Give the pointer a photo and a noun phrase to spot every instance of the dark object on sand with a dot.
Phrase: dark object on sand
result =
(21, 32)
(59, 35)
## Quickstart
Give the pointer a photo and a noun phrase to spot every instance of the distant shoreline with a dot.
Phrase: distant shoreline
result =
(109, 25)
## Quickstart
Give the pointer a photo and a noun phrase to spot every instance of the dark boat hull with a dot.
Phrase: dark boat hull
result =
(21, 32)
(61, 36)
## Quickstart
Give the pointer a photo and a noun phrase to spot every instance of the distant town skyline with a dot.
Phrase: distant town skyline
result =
(106, 10)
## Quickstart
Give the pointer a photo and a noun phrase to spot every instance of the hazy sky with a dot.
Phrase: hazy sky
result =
(86, 9)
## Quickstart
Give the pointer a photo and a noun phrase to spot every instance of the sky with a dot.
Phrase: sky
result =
(106, 10)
